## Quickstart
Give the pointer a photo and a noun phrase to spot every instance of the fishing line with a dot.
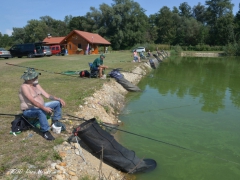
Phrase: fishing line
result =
(167, 143)
(42, 70)
(150, 110)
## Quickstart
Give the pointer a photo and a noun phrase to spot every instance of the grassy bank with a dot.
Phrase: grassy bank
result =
(31, 150)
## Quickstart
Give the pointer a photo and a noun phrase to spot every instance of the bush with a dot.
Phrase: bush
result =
(238, 49)
(177, 49)
(101, 49)
(231, 49)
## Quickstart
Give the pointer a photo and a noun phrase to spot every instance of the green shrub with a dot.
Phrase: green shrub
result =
(177, 49)
(56, 156)
(231, 49)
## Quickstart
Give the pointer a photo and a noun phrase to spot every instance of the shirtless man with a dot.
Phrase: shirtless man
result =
(32, 103)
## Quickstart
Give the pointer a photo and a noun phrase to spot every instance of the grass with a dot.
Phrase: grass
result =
(23, 150)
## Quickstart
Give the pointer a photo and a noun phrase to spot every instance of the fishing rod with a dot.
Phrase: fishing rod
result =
(142, 61)
(167, 143)
(2, 114)
(41, 70)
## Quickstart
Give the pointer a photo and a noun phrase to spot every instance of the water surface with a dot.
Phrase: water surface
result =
(192, 103)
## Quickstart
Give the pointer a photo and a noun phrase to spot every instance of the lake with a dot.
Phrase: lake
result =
(190, 107)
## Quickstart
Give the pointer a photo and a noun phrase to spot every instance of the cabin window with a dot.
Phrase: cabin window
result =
(79, 46)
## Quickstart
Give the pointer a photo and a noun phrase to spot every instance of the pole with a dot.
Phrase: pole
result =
(40, 70)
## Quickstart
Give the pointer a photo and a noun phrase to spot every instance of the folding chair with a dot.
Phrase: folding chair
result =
(93, 73)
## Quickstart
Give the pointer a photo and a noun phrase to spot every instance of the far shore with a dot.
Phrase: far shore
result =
(201, 54)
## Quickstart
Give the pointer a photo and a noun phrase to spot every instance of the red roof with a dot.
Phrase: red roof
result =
(53, 40)
(90, 37)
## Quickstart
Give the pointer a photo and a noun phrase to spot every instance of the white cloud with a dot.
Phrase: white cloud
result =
(9, 31)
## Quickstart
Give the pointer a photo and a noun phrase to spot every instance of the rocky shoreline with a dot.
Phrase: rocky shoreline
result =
(201, 54)
(76, 159)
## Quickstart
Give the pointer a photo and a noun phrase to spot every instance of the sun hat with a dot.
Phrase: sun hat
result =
(29, 74)
(103, 55)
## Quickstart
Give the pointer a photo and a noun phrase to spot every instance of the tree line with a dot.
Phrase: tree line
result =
(125, 24)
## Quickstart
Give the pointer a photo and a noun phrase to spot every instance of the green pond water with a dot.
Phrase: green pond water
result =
(193, 103)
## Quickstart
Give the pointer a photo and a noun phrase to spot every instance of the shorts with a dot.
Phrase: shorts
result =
(95, 68)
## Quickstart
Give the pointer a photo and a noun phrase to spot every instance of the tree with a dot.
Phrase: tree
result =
(237, 25)
(18, 35)
(225, 30)
(124, 24)
(54, 27)
(185, 10)
(151, 34)
(166, 24)
(175, 10)
(129, 24)
(216, 13)
(60, 28)
(93, 20)
(190, 28)
(216, 9)
(5, 40)
(77, 23)
(67, 19)
(199, 13)
(35, 31)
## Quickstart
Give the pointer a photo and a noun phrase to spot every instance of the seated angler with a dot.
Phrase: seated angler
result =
(149, 54)
(136, 58)
(98, 66)
(32, 103)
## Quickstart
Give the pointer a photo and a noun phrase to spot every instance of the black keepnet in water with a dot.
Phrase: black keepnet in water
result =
(128, 85)
(124, 82)
(114, 154)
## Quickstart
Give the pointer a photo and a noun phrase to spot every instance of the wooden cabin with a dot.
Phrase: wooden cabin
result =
(79, 42)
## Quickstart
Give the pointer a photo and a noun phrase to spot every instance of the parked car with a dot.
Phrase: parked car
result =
(29, 49)
(5, 54)
(47, 51)
(140, 49)
(57, 50)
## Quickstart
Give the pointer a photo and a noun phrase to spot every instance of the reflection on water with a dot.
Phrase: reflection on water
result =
(192, 103)
(209, 79)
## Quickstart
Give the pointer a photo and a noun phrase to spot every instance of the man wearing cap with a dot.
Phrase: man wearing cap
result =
(32, 103)
(98, 65)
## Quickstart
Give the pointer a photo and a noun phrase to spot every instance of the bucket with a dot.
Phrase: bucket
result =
(56, 129)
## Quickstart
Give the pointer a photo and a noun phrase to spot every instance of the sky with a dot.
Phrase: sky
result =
(16, 13)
